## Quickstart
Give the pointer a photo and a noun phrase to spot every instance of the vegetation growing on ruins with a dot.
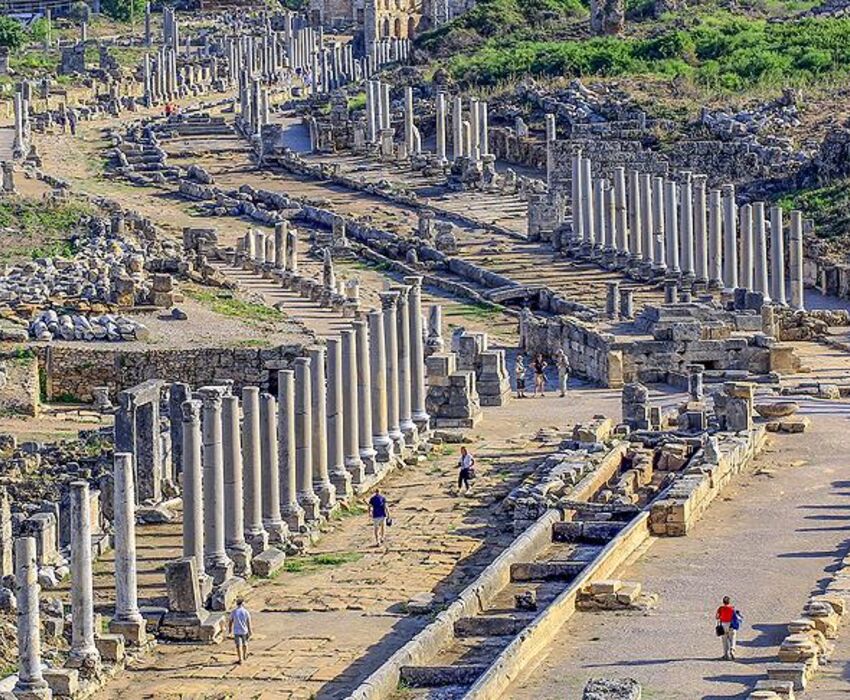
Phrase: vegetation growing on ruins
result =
(12, 33)
(124, 10)
(829, 207)
(227, 304)
(719, 51)
(37, 230)
(314, 562)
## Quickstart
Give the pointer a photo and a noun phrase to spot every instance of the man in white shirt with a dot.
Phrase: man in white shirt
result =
(239, 625)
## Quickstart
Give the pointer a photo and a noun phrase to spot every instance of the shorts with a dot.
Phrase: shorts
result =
(379, 521)
(241, 638)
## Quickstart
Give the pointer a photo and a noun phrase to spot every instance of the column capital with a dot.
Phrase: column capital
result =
(389, 300)
(700, 180)
(415, 281)
(211, 396)
(403, 292)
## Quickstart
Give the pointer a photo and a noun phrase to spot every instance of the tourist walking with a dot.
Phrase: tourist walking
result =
(519, 376)
(72, 121)
(239, 625)
(539, 366)
(563, 363)
(728, 621)
(466, 470)
(380, 514)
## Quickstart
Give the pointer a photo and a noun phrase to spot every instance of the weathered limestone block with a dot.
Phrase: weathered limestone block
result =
(611, 689)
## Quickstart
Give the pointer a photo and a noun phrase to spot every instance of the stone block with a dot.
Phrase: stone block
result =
(797, 424)
(64, 682)
(796, 673)
(527, 600)
(605, 586)
(783, 689)
(225, 594)
(268, 563)
(134, 633)
(181, 580)
(111, 647)
(629, 592)
(153, 617)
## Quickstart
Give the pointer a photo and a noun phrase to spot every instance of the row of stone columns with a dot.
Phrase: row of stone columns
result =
(676, 228)
(280, 250)
(342, 415)
(470, 135)
(377, 109)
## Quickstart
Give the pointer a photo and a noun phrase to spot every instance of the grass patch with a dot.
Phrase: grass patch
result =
(481, 312)
(39, 230)
(719, 51)
(357, 102)
(226, 303)
(828, 206)
(351, 511)
(252, 343)
(315, 562)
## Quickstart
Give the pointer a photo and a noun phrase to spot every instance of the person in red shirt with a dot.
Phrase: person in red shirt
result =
(724, 616)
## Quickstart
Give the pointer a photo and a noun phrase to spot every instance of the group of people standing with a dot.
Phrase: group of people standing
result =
(538, 368)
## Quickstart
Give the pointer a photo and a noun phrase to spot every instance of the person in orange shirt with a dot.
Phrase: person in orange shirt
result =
(726, 619)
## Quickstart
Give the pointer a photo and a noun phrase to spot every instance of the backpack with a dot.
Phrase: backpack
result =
(737, 620)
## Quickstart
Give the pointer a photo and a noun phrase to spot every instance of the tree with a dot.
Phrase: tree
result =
(123, 10)
(80, 12)
(12, 33)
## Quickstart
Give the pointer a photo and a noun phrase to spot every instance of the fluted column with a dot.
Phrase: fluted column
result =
(700, 230)
(760, 278)
(128, 619)
(351, 425)
(777, 257)
(715, 240)
(408, 427)
(745, 277)
(337, 472)
(730, 237)
(671, 227)
(364, 396)
(647, 218)
(193, 503)
(795, 251)
(307, 498)
(30, 683)
(84, 653)
(660, 256)
(234, 513)
(216, 562)
(378, 364)
(290, 511)
(389, 307)
(587, 208)
(621, 244)
(575, 195)
(417, 357)
(686, 225)
(273, 520)
(255, 533)
(635, 216)
(321, 480)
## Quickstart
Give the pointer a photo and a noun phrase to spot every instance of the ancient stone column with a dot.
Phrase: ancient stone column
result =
(364, 396)
(84, 653)
(730, 237)
(700, 230)
(746, 272)
(216, 562)
(686, 220)
(610, 221)
(715, 240)
(408, 427)
(337, 472)
(351, 424)
(292, 251)
(408, 119)
(193, 506)
(795, 252)
(389, 306)
(621, 225)
(575, 196)
(457, 128)
(417, 356)
(254, 532)
(30, 684)
(612, 300)
(660, 257)
(273, 521)
(378, 365)
(128, 619)
(237, 548)
(307, 498)
(321, 480)
(777, 257)
(635, 233)
(671, 227)
(475, 149)
(434, 339)
(441, 127)
(760, 278)
(587, 208)
(695, 382)
(647, 226)
(290, 511)
(483, 129)
(599, 209)
(280, 230)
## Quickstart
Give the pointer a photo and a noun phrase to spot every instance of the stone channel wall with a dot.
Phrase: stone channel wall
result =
(19, 391)
(72, 372)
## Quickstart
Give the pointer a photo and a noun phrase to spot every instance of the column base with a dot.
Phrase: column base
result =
(87, 662)
(341, 480)
(423, 423)
(240, 555)
(219, 567)
(367, 457)
(398, 441)
(293, 515)
(311, 505)
(326, 492)
(356, 469)
(411, 433)
(383, 448)
(205, 584)
(259, 541)
(133, 631)
(33, 691)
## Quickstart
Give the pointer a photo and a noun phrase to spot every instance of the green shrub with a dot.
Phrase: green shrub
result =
(123, 10)
(12, 33)
(80, 12)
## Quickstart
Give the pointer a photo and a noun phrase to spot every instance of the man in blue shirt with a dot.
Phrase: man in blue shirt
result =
(380, 514)
(240, 625)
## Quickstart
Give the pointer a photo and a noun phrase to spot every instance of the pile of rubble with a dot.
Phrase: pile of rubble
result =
(613, 594)
(49, 325)
(611, 689)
